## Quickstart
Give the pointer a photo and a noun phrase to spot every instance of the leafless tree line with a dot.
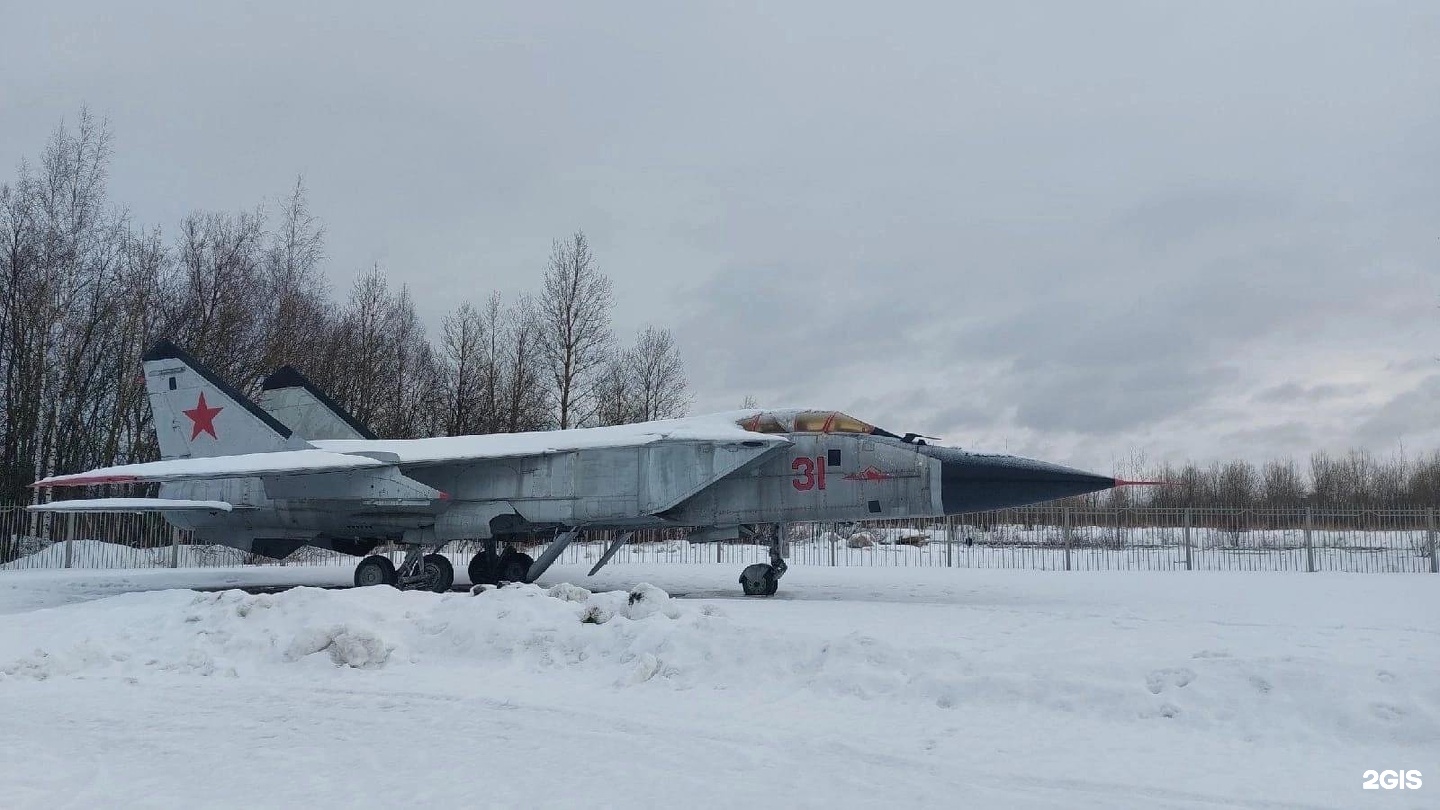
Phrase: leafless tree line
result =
(84, 290)
(1357, 479)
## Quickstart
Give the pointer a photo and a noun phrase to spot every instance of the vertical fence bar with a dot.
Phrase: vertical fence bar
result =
(1430, 539)
(70, 520)
(834, 541)
(1310, 539)
(1065, 533)
(1186, 520)
(950, 542)
(174, 547)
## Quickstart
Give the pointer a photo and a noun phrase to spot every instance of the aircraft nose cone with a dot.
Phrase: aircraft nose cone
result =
(976, 483)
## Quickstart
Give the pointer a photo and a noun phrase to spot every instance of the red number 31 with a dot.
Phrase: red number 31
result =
(809, 473)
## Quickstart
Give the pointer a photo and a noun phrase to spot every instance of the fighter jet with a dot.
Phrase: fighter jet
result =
(300, 471)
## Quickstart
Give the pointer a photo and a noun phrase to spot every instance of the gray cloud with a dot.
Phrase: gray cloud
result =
(1292, 392)
(1407, 419)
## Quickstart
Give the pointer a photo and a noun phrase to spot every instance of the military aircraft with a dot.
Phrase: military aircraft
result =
(300, 471)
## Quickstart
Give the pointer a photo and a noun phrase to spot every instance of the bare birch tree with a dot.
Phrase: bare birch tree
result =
(524, 401)
(575, 306)
(658, 376)
(643, 383)
(299, 314)
(615, 391)
(463, 341)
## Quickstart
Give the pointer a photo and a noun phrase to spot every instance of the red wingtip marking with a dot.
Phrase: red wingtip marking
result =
(444, 496)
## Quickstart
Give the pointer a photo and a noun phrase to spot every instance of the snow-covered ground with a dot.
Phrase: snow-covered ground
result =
(855, 687)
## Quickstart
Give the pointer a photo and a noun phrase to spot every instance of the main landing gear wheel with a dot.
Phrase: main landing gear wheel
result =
(759, 580)
(375, 570)
(515, 566)
(487, 568)
(439, 574)
(482, 569)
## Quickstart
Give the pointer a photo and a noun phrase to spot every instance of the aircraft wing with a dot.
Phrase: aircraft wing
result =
(681, 450)
(132, 505)
(450, 449)
(282, 462)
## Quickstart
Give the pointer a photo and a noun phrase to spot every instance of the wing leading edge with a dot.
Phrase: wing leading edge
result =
(247, 465)
(132, 505)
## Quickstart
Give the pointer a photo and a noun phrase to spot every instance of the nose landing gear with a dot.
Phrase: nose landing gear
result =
(764, 580)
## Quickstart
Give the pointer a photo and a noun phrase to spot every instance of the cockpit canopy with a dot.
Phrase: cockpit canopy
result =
(808, 422)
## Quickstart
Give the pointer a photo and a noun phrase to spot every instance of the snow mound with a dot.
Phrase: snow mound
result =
(234, 633)
(643, 638)
(89, 554)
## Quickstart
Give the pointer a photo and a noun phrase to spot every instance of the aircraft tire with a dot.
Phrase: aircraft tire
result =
(516, 567)
(439, 573)
(375, 570)
(481, 571)
(759, 580)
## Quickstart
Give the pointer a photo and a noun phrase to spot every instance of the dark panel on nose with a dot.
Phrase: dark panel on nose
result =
(975, 483)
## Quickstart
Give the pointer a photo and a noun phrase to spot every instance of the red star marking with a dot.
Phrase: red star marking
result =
(869, 474)
(204, 418)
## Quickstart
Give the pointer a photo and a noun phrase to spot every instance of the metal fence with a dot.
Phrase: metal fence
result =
(1038, 538)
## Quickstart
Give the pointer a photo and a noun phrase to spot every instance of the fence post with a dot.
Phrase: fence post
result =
(174, 547)
(719, 546)
(70, 519)
(1066, 532)
(1309, 539)
(1185, 524)
(1430, 536)
(834, 540)
(949, 542)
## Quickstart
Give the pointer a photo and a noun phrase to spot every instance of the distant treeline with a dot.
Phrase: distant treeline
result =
(86, 290)
(1357, 479)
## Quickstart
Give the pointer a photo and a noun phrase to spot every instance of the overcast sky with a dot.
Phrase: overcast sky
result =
(1078, 231)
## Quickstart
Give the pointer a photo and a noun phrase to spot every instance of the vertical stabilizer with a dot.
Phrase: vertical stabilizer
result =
(198, 415)
(294, 400)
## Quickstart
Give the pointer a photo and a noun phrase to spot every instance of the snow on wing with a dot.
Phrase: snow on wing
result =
(132, 505)
(714, 428)
(237, 466)
(346, 454)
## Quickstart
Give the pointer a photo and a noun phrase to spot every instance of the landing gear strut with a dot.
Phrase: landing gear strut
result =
(428, 572)
(761, 579)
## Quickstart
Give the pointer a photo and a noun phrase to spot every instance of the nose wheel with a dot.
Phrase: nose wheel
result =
(761, 579)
